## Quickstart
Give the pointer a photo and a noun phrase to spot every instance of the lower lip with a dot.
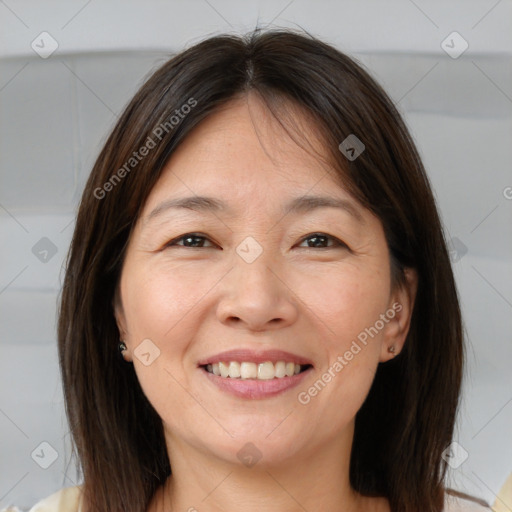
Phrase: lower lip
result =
(256, 389)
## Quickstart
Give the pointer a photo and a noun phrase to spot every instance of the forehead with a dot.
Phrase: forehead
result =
(242, 150)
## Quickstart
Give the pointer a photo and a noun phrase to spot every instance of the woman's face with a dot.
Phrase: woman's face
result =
(262, 266)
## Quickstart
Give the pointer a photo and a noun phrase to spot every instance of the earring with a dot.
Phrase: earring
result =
(391, 349)
(122, 347)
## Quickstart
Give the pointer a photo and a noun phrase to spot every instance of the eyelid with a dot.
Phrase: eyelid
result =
(337, 241)
(172, 242)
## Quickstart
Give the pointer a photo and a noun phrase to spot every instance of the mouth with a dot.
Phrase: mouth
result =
(247, 364)
(244, 370)
(255, 374)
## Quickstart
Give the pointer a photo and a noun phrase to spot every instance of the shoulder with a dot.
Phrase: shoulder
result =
(463, 504)
(65, 500)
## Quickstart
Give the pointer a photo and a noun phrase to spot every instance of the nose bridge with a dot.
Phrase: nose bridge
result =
(255, 269)
(255, 294)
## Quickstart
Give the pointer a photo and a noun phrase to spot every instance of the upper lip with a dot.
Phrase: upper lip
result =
(254, 356)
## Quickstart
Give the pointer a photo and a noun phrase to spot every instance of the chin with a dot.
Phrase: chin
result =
(260, 443)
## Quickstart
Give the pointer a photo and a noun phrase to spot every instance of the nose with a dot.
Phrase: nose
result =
(255, 297)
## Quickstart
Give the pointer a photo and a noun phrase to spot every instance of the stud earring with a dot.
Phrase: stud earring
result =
(391, 349)
(121, 347)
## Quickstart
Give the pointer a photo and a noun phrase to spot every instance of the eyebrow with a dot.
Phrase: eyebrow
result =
(303, 204)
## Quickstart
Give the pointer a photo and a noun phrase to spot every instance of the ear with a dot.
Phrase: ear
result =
(120, 318)
(400, 310)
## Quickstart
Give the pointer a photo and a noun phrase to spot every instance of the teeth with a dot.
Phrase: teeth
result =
(234, 370)
(224, 370)
(280, 369)
(246, 370)
(266, 371)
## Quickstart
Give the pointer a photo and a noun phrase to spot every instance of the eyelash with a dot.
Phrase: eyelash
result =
(337, 242)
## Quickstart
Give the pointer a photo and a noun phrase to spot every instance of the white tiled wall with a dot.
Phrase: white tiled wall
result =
(55, 112)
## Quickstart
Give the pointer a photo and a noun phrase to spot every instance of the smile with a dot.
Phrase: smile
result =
(258, 371)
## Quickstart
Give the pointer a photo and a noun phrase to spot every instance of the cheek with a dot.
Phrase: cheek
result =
(159, 306)
(346, 308)
(156, 300)
(163, 385)
(347, 302)
(347, 305)
(352, 309)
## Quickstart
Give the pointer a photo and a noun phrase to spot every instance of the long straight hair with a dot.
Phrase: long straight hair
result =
(408, 417)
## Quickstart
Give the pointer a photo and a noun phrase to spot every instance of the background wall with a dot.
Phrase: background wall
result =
(67, 68)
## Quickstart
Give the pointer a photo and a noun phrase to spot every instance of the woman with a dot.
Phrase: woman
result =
(259, 239)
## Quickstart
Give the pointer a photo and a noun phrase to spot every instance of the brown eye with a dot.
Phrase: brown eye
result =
(191, 240)
(320, 240)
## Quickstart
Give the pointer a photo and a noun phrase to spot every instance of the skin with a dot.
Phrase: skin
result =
(193, 302)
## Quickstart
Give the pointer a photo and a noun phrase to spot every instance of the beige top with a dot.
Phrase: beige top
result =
(68, 500)
(65, 500)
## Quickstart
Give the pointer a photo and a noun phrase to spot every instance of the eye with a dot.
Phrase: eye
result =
(318, 240)
(315, 240)
(191, 240)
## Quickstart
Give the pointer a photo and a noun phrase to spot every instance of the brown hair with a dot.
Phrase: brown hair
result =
(408, 417)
